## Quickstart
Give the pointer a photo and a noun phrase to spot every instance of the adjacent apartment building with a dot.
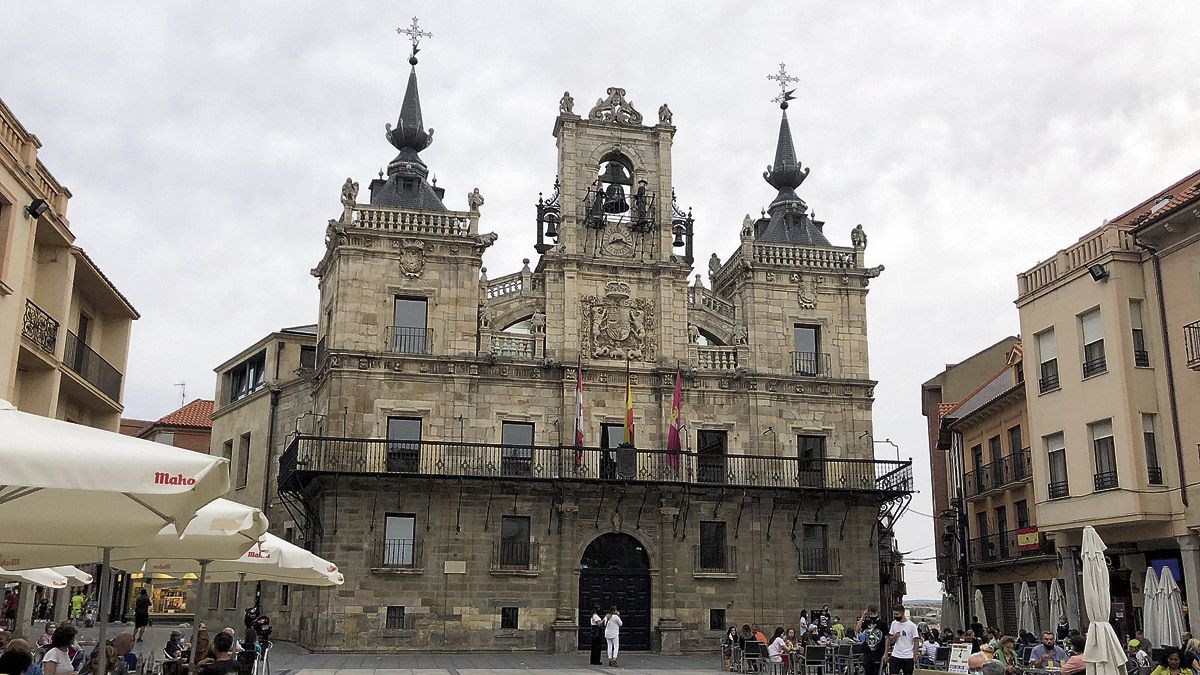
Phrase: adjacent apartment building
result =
(64, 326)
(435, 447)
(1110, 330)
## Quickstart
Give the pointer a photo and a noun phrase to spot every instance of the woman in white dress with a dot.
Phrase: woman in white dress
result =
(612, 633)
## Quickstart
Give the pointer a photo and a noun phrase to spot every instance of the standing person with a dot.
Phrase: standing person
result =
(900, 653)
(727, 644)
(612, 633)
(839, 630)
(77, 601)
(11, 600)
(57, 660)
(823, 620)
(597, 624)
(1064, 628)
(976, 627)
(802, 624)
(777, 650)
(870, 626)
(141, 614)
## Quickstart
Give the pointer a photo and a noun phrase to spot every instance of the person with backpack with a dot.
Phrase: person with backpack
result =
(597, 623)
(870, 627)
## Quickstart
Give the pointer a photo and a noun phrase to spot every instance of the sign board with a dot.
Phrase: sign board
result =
(959, 653)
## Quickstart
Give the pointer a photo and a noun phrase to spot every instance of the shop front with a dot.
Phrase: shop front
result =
(168, 596)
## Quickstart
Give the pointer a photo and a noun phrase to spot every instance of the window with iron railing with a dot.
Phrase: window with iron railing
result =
(514, 547)
(1094, 362)
(1141, 357)
(1056, 455)
(1104, 454)
(398, 548)
(710, 552)
(1048, 364)
(1153, 470)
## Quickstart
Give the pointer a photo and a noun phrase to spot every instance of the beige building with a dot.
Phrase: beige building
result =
(64, 327)
(431, 452)
(1112, 404)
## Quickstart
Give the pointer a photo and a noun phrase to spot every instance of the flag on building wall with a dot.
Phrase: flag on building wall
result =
(628, 409)
(676, 423)
(578, 415)
(1027, 539)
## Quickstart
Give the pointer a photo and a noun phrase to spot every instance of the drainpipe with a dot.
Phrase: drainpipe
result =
(270, 448)
(1162, 318)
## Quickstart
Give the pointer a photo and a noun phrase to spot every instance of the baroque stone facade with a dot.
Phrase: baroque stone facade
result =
(434, 457)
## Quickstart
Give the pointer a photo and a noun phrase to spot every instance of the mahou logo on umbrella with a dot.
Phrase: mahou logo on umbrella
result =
(164, 478)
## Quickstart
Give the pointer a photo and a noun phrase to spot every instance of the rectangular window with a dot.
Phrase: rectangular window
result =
(288, 534)
(395, 617)
(995, 452)
(1022, 509)
(1001, 515)
(611, 436)
(710, 444)
(308, 357)
(404, 444)
(712, 547)
(981, 523)
(1141, 357)
(230, 594)
(517, 454)
(815, 555)
(810, 453)
(716, 619)
(285, 595)
(977, 455)
(85, 328)
(243, 464)
(1056, 454)
(399, 540)
(981, 484)
(509, 618)
(807, 354)
(165, 437)
(1104, 454)
(1153, 470)
(408, 326)
(514, 541)
(1020, 471)
(1014, 439)
(1093, 343)
(214, 596)
(1048, 355)
(246, 377)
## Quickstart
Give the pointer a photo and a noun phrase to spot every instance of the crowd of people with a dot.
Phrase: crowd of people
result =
(57, 652)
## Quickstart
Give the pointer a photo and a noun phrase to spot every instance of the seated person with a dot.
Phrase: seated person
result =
(175, 646)
(1075, 664)
(222, 662)
(1171, 663)
(1137, 653)
(16, 657)
(929, 648)
(1047, 654)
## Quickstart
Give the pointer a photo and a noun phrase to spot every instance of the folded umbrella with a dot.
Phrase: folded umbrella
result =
(1103, 652)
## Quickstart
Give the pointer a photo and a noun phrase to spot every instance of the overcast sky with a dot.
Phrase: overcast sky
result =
(206, 144)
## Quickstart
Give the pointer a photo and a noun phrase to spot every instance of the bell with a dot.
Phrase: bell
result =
(615, 173)
(614, 199)
(552, 225)
(678, 231)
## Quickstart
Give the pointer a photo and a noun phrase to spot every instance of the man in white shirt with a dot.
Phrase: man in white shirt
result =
(900, 653)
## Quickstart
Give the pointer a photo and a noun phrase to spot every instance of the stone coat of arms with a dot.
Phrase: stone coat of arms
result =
(616, 327)
(412, 258)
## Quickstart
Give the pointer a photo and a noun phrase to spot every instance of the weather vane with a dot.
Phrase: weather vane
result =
(414, 34)
(783, 80)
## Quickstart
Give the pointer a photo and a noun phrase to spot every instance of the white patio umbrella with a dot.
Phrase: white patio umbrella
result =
(222, 529)
(951, 614)
(41, 577)
(71, 572)
(980, 610)
(1103, 653)
(1027, 610)
(1058, 604)
(1151, 614)
(1171, 610)
(270, 559)
(71, 493)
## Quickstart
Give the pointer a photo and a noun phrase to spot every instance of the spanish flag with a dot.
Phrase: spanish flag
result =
(628, 409)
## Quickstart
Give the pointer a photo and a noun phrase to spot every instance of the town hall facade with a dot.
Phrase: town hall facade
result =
(428, 446)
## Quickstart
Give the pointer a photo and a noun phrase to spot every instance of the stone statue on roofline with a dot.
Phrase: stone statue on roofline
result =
(664, 114)
(566, 105)
(858, 237)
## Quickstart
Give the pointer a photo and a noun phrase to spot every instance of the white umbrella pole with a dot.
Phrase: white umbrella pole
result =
(104, 596)
(196, 614)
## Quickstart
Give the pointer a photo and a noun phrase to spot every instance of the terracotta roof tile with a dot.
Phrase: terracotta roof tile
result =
(946, 408)
(1183, 192)
(198, 413)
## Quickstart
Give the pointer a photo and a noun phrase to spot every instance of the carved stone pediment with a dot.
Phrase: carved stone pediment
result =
(618, 327)
(614, 108)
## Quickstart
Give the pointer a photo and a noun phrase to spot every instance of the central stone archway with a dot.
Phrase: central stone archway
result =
(615, 572)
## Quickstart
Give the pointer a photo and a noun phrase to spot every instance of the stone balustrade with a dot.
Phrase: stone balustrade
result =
(404, 221)
(716, 358)
(505, 285)
(1078, 256)
(710, 301)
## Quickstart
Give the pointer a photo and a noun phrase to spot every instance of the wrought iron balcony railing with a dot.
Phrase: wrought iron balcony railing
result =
(714, 559)
(1058, 489)
(1141, 358)
(1094, 366)
(397, 554)
(1006, 546)
(1154, 475)
(810, 364)
(1191, 343)
(1014, 468)
(515, 556)
(817, 560)
(408, 340)
(1105, 480)
(92, 367)
(309, 455)
(40, 327)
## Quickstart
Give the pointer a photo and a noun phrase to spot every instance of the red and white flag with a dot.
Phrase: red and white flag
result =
(578, 415)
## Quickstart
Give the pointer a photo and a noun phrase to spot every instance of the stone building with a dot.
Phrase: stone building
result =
(431, 450)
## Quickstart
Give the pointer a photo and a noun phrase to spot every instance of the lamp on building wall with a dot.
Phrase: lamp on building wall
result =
(1099, 272)
(37, 207)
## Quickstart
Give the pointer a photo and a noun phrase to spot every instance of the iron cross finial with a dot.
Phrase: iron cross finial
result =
(414, 34)
(783, 80)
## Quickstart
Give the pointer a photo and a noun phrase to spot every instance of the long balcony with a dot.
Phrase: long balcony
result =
(1191, 343)
(40, 327)
(92, 367)
(308, 456)
(1007, 547)
(1015, 468)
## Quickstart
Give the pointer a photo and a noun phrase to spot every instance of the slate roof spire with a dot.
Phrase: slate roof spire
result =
(790, 221)
(406, 185)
